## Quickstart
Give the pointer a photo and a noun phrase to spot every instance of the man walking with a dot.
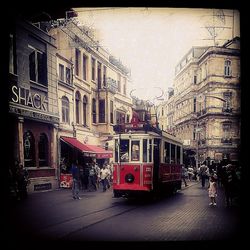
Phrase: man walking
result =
(76, 181)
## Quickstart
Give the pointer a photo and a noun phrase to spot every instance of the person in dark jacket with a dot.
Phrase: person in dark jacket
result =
(76, 181)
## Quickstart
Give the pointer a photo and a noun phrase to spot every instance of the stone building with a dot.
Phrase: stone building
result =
(207, 101)
(92, 90)
(33, 104)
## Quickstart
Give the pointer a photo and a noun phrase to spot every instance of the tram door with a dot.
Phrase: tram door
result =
(156, 158)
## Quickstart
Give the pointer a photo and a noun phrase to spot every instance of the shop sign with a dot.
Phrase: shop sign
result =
(66, 180)
(25, 97)
(34, 115)
(44, 186)
(104, 155)
(89, 154)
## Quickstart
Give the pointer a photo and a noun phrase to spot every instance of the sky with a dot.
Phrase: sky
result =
(151, 41)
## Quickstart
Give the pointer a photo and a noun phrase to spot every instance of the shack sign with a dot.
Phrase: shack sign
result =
(27, 98)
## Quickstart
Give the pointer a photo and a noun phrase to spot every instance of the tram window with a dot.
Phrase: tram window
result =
(116, 150)
(145, 150)
(178, 154)
(135, 151)
(167, 152)
(124, 150)
(173, 160)
(150, 151)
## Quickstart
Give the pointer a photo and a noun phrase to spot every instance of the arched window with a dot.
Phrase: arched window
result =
(94, 110)
(78, 98)
(43, 150)
(85, 102)
(29, 149)
(227, 68)
(65, 109)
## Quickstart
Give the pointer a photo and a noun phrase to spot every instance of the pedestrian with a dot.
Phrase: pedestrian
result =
(98, 175)
(92, 177)
(203, 174)
(229, 183)
(212, 191)
(104, 174)
(85, 178)
(184, 175)
(76, 181)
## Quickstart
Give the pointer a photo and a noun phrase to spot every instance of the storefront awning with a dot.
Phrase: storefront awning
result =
(86, 149)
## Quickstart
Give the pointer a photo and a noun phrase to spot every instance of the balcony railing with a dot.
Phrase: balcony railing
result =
(226, 140)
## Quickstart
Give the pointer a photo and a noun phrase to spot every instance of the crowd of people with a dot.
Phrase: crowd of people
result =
(91, 177)
(224, 175)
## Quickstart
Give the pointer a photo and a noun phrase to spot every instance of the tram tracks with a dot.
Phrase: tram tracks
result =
(65, 228)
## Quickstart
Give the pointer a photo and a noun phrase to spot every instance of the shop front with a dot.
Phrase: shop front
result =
(72, 150)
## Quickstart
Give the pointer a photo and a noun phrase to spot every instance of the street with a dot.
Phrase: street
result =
(185, 216)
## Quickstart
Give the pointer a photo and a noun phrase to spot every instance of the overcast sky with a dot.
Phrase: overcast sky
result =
(151, 41)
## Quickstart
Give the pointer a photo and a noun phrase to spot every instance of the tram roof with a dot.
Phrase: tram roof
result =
(164, 135)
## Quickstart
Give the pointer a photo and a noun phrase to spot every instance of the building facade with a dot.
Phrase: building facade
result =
(92, 88)
(207, 102)
(33, 106)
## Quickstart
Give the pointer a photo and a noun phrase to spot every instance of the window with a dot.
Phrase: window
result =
(104, 75)
(120, 117)
(68, 75)
(195, 79)
(178, 154)
(227, 105)
(29, 149)
(65, 109)
(195, 105)
(93, 69)
(227, 68)
(125, 86)
(84, 67)
(43, 150)
(135, 151)
(150, 151)
(37, 66)
(119, 83)
(77, 101)
(85, 102)
(167, 152)
(145, 150)
(128, 118)
(116, 150)
(194, 135)
(12, 55)
(124, 150)
(226, 127)
(93, 110)
(173, 154)
(77, 62)
(61, 72)
(111, 112)
(101, 111)
(99, 75)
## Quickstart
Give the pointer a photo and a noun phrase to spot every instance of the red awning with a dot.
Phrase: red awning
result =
(88, 150)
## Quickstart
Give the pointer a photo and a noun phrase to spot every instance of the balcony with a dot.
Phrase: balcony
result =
(226, 140)
(227, 110)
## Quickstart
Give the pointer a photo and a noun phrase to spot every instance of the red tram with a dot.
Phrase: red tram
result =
(146, 160)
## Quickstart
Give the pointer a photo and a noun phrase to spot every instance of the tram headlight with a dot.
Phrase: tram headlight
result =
(129, 178)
